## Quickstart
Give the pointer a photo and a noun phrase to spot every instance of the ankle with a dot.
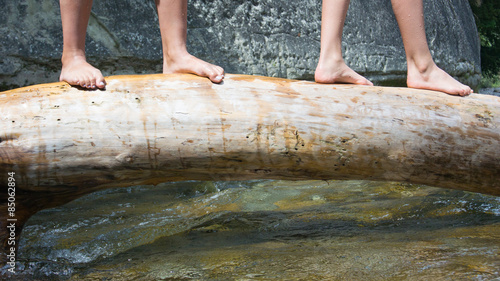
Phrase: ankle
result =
(422, 66)
(69, 56)
(174, 55)
(330, 60)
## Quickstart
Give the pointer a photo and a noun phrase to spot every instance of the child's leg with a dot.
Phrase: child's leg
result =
(172, 15)
(331, 66)
(75, 69)
(423, 73)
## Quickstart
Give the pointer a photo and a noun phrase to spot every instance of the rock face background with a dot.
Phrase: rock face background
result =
(279, 38)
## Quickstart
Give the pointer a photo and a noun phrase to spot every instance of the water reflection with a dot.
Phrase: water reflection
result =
(260, 230)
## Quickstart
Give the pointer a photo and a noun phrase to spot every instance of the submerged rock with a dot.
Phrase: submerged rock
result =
(278, 38)
(266, 230)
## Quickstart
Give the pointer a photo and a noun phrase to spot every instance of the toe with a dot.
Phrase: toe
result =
(216, 75)
(99, 80)
(85, 82)
(101, 83)
(216, 78)
(93, 82)
(220, 71)
(465, 91)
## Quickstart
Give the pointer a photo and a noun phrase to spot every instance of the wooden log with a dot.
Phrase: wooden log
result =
(156, 128)
(62, 142)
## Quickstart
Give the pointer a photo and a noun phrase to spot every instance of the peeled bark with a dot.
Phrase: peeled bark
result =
(62, 142)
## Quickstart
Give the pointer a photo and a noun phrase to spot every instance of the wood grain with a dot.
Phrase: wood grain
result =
(63, 142)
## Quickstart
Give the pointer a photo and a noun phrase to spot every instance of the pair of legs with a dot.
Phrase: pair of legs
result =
(172, 15)
(423, 73)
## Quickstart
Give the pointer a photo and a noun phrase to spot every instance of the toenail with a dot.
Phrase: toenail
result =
(219, 77)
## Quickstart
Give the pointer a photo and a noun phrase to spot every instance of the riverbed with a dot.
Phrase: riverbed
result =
(266, 230)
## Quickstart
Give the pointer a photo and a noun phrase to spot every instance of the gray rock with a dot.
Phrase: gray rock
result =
(278, 38)
(490, 91)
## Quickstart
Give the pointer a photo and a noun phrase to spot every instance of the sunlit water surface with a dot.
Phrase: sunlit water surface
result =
(266, 230)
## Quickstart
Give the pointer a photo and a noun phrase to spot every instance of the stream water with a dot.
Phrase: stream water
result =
(266, 230)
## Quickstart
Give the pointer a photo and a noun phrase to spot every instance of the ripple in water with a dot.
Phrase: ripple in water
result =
(261, 230)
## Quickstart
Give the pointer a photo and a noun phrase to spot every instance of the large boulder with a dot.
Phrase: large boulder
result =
(278, 38)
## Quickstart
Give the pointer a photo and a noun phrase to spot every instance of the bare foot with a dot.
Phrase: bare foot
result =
(338, 72)
(187, 63)
(434, 78)
(77, 72)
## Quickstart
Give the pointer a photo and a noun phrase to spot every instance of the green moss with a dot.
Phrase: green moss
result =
(490, 81)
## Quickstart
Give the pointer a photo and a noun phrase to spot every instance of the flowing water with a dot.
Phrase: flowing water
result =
(266, 230)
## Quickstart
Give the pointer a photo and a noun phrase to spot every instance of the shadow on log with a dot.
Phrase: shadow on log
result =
(59, 142)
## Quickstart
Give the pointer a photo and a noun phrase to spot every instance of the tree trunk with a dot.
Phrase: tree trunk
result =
(62, 142)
